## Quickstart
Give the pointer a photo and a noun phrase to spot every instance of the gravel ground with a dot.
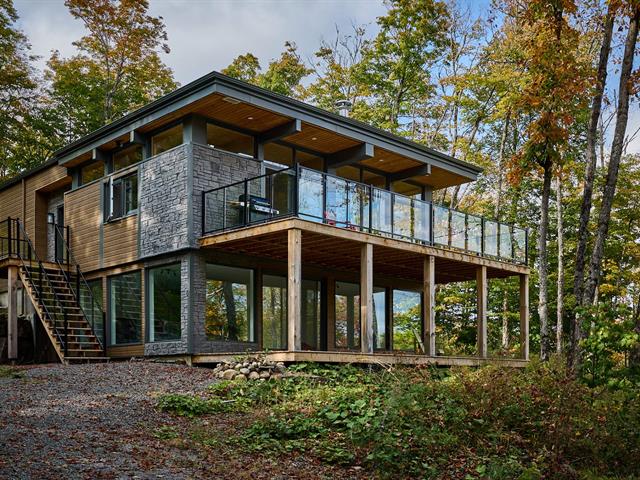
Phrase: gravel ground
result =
(100, 421)
(90, 421)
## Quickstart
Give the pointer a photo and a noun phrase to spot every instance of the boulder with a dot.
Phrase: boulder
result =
(229, 374)
(254, 376)
(244, 371)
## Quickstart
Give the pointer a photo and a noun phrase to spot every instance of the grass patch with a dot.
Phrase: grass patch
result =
(10, 372)
(424, 423)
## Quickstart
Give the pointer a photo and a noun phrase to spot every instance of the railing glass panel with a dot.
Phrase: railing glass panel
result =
(324, 198)
(458, 229)
(311, 194)
(440, 225)
(381, 211)
(402, 217)
(505, 242)
(520, 244)
(491, 238)
(474, 234)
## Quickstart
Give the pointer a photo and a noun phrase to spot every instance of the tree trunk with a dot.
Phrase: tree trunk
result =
(591, 157)
(560, 300)
(505, 321)
(617, 145)
(501, 154)
(634, 357)
(543, 267)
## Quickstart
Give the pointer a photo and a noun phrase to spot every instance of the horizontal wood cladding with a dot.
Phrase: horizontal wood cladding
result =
(37, 187)
(126, 351)
(120, 244)
(11, 202)
(83, 214)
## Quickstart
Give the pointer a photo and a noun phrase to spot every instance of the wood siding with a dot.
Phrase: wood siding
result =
(11, 202)
(83, 214)
(120, 241)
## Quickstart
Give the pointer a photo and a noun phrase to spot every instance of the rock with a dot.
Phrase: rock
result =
(229, 374)
(240, 378)
(244, 371)
(254, 376)
(237, 366)
(264, 374)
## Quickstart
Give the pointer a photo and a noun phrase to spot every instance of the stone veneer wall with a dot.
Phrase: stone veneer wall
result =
(170, 210)
(164, 202)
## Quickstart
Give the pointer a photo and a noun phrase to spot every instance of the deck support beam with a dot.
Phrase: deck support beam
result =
(429, 304)
(366, 298)
(12, 317)
(481, 289)
(294, 290)
(524, 316)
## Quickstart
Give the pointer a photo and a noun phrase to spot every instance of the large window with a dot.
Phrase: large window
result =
(277, 153)
(121, 196)
(125, 309)
(347, 315)
(91, 172)
(407, 321)
(93, 309)
(274, 312)
(229, 140)
(379, 318)
(166, 140)
(164, 303)
(229, 304)
(127, 157)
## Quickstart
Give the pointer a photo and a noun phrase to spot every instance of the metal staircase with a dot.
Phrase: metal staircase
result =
(71, 316)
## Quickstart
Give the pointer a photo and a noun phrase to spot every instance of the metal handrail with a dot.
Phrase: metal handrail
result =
(43, 274)
(393, 198)
(71, 261)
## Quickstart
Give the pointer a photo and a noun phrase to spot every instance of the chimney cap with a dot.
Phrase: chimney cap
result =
(344, 107)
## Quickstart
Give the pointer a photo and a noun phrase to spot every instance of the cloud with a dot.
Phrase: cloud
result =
(206, 35)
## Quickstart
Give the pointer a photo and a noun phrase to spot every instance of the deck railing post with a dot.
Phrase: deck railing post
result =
(203, 213)
(9, 239)
(482, 236)
(296, 191)
(247, 202)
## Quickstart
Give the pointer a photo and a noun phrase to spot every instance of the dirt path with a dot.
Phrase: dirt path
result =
(100, 421)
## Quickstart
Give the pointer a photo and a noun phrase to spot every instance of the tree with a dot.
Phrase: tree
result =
(396, 66)
(118, 67)
(550, 81)
(283, 76)
(590, 168)
(622, 116)
(17, 90)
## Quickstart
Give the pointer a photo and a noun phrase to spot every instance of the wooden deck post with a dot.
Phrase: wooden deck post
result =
(366, 298)
(12, 318)
(481, 289)
(429, 304)
(294, 290)
(524, 316)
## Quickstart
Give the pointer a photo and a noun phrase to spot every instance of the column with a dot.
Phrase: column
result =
(429, 304)
(294, 290)
(12, 318)
(481, 288)
(366, 298)
(524, 316)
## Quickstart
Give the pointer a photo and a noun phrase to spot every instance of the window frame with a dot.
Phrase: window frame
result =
(111, 342)
(160, 131)
(148, 301)
(109, 196)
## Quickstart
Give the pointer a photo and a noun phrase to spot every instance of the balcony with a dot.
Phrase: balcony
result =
(320, 197)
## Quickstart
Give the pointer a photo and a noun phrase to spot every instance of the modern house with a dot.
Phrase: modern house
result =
(224, 218)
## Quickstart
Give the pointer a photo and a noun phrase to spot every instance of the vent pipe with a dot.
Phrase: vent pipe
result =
(344, 107)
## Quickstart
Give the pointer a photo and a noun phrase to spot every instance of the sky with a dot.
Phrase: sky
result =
(206, 35)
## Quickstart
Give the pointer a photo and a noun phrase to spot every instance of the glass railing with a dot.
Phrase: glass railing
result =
(321, 197)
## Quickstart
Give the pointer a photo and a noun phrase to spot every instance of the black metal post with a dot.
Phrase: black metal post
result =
(296, 190)
(203, 213)
(246, 202)
(66, 333)
(482, 236)
(224, 208)
(9, 250)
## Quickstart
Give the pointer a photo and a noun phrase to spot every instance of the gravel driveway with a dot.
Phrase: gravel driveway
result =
(92, 421)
